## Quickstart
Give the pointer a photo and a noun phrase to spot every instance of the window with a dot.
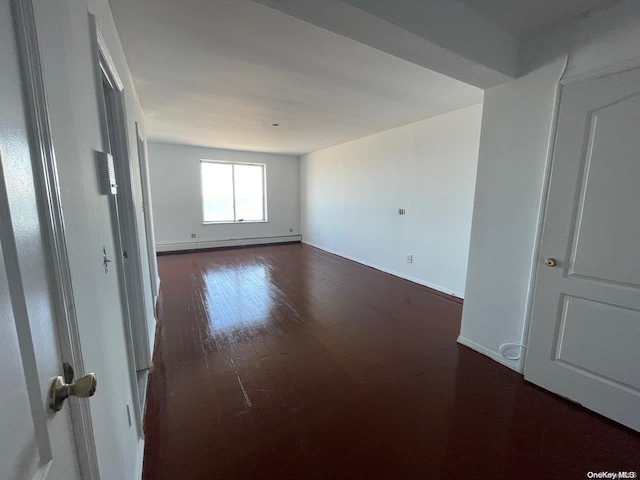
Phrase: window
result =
(233, 192)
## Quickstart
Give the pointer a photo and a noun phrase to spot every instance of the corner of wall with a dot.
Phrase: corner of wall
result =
(512, 364)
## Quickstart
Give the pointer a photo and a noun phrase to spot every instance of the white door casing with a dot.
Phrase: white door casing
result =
(584, 339)
(148, 216)
(124, 222)
(36, 442)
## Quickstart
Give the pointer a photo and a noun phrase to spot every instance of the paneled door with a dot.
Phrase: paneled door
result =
(584, 341)
(36, 442)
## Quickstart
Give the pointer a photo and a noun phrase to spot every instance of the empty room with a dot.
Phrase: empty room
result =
(320, 239)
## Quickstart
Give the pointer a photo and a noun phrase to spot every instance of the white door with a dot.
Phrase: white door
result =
(584, 342)
(35, 442)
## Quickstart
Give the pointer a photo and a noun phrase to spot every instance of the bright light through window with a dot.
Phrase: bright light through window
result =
(232, 192)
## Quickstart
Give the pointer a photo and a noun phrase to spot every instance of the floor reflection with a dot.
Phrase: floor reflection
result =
(230, 309)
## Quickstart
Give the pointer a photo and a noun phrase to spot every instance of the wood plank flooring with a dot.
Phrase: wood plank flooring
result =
(286, 362)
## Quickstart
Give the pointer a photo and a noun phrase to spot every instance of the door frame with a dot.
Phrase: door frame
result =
(51, 214)
(148, 215)
(126, 231)
(564, 80)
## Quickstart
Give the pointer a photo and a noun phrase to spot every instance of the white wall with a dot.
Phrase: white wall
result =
(516, 132)
(174, 171)
(351, 193)
(65, 39)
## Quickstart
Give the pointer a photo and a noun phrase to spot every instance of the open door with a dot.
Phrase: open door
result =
(148, 216)
(584, 342)
(43, 432)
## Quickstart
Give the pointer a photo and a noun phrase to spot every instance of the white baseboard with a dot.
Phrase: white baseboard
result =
(237, 242)
(512, 364)
(386, 270)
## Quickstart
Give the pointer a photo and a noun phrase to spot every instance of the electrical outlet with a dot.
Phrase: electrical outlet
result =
(402, 211)
(409, 258)
(193, 235)
(291, 230)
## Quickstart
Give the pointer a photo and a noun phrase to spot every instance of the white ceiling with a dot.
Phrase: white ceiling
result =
(219, 73)
(522, 18)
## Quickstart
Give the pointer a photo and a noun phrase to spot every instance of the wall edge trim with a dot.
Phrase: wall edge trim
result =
(140, 460)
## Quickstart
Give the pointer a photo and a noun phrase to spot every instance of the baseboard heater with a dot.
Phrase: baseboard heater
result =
(237, 242)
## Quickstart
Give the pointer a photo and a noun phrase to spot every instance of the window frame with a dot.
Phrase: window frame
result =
(235, 221)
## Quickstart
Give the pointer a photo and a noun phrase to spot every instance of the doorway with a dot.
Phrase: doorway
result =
(125, 231)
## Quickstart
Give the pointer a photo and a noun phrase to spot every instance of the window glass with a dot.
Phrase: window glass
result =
(217, 192)
(233, 192)
(249, 192)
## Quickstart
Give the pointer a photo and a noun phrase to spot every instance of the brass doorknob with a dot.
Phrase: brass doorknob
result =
(60, 391)
(551, 262)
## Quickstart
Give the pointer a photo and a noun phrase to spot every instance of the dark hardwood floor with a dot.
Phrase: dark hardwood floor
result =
(285, 362)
